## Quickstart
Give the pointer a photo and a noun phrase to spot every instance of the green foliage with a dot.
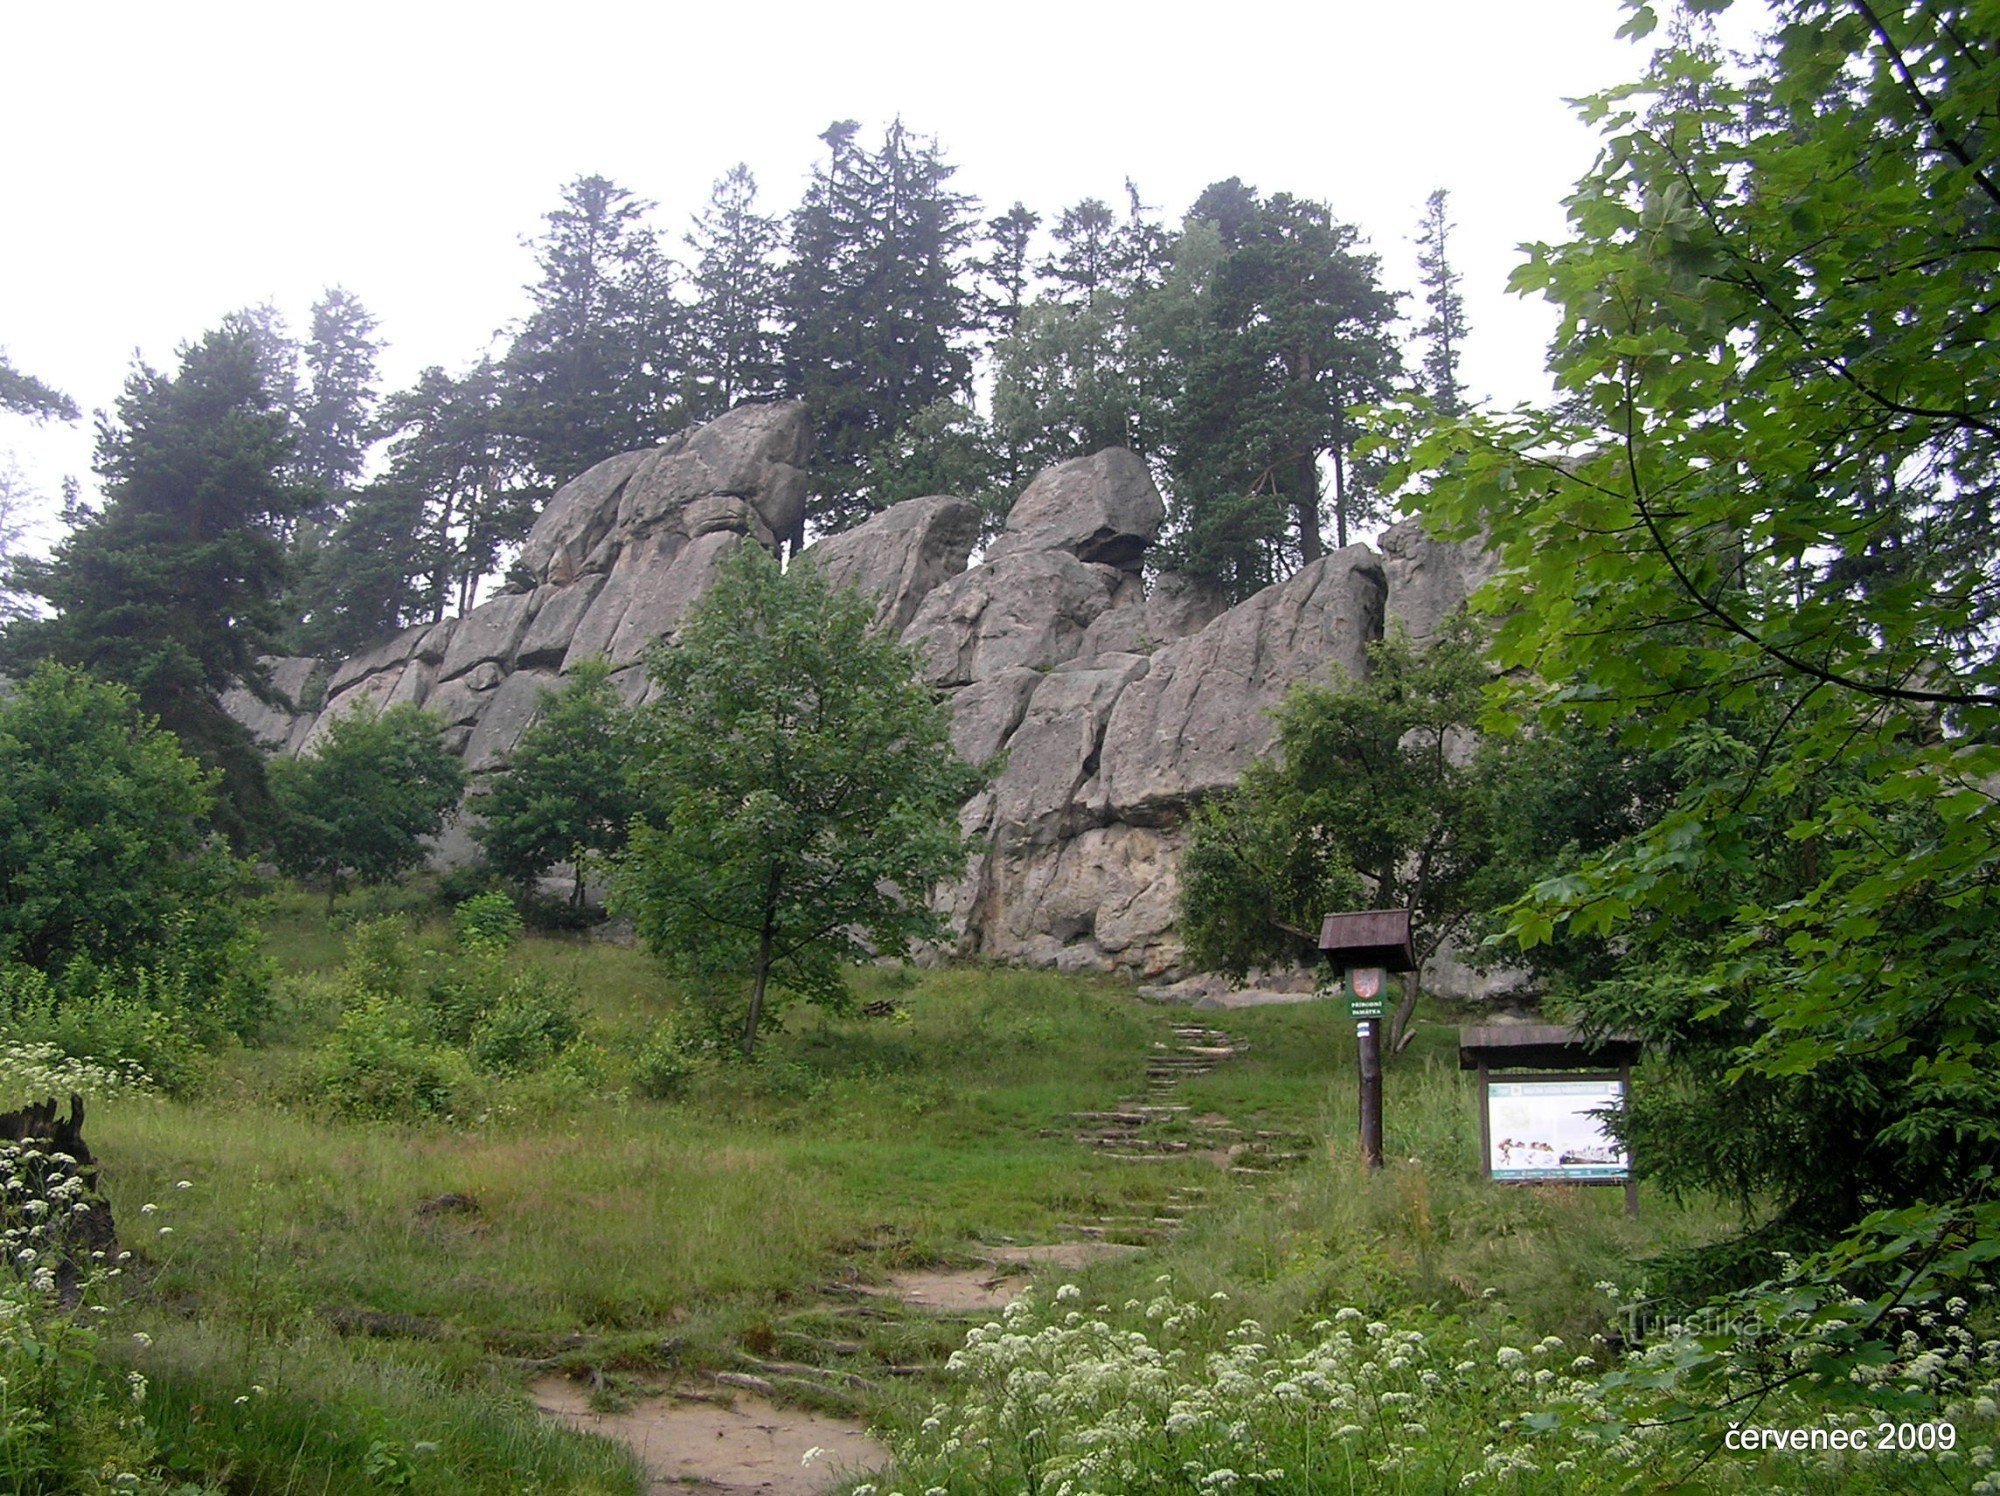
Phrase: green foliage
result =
(454, 462)
(1760, 538)
(1444, 328)
(486, 922)
(800, 791)
(380, 1064)
(360, 803)
(1292, 333)
(171, 587)
(139, 1017)
(733, 326)
(73, 1425)
(531, 1023)
(1372, 780)
(662, 1065)
(26, 395)
(878, 309)
(564, 795)
(586, 373)
(105, 852)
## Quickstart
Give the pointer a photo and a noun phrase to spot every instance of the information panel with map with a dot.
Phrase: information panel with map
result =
(1544, 1130)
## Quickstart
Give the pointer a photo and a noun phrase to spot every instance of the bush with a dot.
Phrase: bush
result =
(106, 849)
(532, 1023)
(381, 1065)
(120, 1019)
(487, 921)
(664, 1062)
(378, 956)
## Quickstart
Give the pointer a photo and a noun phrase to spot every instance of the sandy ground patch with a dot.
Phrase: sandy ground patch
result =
(1069, 1255)
(752, 1445)
(997, 1282)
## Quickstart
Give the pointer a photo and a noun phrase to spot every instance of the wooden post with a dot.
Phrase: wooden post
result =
(1485, 1123)
(1631, 1184)
(1368, 1032)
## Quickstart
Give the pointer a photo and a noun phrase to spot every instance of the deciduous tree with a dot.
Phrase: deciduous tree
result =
(565, 794)
(362, 801)
(1375, 785)
(1760, 535)
(799, 790)
(106, 846)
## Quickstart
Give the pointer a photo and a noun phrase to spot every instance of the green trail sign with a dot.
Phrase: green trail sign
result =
(1366, 989)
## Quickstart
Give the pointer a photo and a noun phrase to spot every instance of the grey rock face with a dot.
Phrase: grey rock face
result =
(901, 555)
(1028, 609)
(1429, 580)
(1102, 508)
(1201, 714)
(1081, 833)
(620, 554)
(1108, 707)
(298, 682)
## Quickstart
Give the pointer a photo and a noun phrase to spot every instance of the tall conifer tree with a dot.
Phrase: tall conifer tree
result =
(1444, 329)
(170, 587)
(879, 306)
(735, 327)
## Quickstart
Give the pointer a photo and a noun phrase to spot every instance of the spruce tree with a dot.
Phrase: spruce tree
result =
(1444, 329)
(878, 302)
(338, 391)
(170, 586)
(1292, 335)
(592, 371)
(735, 323)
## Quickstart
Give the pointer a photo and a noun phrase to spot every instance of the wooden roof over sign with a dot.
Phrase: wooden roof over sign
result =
(1543, 1046)
(1369, 937)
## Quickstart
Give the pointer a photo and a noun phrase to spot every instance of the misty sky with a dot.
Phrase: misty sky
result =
(167, 164)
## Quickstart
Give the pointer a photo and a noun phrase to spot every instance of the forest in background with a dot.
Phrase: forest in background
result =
(938, 351)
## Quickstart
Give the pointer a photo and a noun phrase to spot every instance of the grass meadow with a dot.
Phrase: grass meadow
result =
(322, 1304)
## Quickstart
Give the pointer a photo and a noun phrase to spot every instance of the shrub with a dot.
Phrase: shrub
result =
(378, 956)
(106, 851)
(122, 1019)
(487, 921)
(664, 1062)
(381, 1065)
(533, 1022)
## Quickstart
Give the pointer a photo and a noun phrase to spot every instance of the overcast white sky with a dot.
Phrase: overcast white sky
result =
(168, 163)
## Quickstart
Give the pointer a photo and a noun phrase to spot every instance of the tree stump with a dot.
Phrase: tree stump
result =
(58, 1211)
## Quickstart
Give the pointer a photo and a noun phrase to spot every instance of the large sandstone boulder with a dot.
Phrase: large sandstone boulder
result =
(901, 555)
(1103, 508)
(754, 456)
(280, 724)
(1030, 609)
(1430, 579)
(1201, 714)
(1107, 704)
(618, 557)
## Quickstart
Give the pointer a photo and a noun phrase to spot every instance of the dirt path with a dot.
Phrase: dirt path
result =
(739, 1440)
(747, 1444)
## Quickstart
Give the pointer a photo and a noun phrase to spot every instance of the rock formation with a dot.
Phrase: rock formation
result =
(1108, 706)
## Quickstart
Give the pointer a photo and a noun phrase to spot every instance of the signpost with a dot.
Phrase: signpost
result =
(1366, 946)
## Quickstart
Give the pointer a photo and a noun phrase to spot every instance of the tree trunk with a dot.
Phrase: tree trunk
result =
(757, 990)
(1401, 1031)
